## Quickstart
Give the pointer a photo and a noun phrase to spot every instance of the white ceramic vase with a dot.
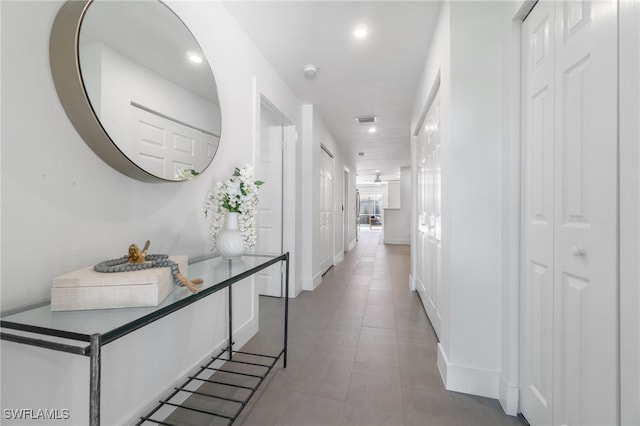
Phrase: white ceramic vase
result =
(229, 240)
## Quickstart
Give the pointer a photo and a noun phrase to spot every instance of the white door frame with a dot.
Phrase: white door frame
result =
(509, 386)
(328, 261)
(288, 174)
(271, 280)
(629, 107)
(428, 245)
(346, 209)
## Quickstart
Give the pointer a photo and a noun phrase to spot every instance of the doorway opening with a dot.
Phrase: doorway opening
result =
(370, 217)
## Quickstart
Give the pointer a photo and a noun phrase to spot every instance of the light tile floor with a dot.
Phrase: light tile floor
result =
(361, 352)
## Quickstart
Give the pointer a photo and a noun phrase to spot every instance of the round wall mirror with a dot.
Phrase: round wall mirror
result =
(137, 87)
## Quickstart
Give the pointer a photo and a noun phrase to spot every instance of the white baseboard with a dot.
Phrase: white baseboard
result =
(352, 245)
(508, 397)
(465, 379)
(339, 257)
(412, 283)
(401, 241)
(310, 284)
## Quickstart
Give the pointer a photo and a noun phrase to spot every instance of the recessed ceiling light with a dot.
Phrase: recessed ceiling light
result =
(360, 32)
(372, 129)
(194, 57)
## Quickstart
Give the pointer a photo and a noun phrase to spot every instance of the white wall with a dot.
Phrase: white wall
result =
(474, 192)
(436, 71)
(309, 208)
(63, 208)
(397, 222)
(315, 134)
(466, 52)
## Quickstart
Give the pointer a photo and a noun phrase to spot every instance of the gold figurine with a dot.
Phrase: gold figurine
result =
(137, 256)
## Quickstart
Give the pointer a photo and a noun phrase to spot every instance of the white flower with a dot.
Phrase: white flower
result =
(238, 194)
(183, 174)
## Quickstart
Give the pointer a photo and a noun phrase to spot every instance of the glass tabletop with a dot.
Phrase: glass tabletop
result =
(216, 272)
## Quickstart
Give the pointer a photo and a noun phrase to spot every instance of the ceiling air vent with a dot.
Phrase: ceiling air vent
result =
(366, 119)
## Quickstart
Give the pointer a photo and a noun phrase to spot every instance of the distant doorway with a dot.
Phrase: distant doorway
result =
(370, 212)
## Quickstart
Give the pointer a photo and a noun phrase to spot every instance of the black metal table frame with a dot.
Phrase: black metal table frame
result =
(98, 340)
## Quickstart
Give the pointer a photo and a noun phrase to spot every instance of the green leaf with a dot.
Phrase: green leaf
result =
(259, 182)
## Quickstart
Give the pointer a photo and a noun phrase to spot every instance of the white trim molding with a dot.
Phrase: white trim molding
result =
(311, 283)
(460, 378)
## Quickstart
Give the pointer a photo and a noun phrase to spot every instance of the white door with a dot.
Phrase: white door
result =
(346, 209)
(538, 44)
(164, 146)
(326, 212)
(269, 220)
(428, 283)
(569, 312)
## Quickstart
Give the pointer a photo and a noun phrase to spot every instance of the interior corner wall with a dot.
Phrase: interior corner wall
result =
(315, 135)
(323, 137)
(467, 54)
(474, 192)
(397, 228)
(63, 208)
(437, 68)
(310, 208)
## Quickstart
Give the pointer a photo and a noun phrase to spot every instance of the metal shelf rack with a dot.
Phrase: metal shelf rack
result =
(99, 327)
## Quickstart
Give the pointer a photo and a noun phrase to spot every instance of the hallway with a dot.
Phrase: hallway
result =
(361, 352)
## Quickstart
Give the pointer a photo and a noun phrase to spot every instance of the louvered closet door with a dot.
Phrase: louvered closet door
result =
(569, 312)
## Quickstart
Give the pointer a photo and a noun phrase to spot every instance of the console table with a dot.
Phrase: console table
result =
(40, 326)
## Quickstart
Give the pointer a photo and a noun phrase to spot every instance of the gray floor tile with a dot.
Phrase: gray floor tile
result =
(431, 408)
(309, 410)
(361, 352)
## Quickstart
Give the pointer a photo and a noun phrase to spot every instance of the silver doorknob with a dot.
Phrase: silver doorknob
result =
(577, 251)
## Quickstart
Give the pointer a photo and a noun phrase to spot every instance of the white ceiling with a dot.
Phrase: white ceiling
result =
(377, 75)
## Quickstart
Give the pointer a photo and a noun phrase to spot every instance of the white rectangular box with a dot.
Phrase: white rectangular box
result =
(88, 289)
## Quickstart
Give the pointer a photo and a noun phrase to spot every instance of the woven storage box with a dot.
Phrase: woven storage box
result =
(88, 289)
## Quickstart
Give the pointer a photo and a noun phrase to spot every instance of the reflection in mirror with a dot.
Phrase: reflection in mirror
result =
(149, 86)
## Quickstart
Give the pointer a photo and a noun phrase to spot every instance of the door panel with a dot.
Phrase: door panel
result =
(326, 212)
(538, 127)
(269, 220)
(586, 348)
(429, 192)
(164, 147)
(569, 313)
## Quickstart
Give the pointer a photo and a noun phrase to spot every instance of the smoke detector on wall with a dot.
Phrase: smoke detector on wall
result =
(310, 71)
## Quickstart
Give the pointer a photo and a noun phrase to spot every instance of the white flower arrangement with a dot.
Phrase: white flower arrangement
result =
(239, 194)
(184, 174)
